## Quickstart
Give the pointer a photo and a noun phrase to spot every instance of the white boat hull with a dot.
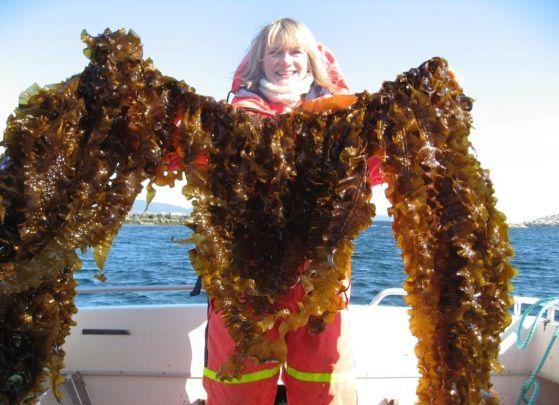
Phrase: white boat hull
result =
(161, 360)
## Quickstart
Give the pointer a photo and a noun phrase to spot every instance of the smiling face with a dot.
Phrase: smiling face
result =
(285, 64)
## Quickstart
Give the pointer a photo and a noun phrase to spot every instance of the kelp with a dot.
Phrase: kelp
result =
(276, 202)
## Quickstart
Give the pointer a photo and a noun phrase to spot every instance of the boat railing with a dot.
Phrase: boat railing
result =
(387, 293)
(136, 288)
(189, 287)
(519, 301)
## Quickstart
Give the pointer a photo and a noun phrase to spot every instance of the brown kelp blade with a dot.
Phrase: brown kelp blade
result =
(453, 240)
(277, 203)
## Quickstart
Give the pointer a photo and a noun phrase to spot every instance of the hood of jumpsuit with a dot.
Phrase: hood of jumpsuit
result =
(248, 100)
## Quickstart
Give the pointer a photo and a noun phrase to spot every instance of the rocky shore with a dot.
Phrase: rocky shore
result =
(550, 220)
(149, 218)
(156, 219)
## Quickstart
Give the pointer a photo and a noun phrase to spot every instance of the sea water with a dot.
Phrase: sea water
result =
(150, 255)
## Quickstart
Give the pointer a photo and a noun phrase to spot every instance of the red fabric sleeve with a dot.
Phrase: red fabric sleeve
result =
(375, 175)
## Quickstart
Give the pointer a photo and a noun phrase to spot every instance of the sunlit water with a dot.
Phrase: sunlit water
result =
(147, 255)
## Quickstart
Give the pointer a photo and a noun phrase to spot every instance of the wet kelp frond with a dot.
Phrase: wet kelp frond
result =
(276, 202)
(454, 242)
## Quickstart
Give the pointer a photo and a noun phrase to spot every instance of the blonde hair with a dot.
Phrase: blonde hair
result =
(285, 31)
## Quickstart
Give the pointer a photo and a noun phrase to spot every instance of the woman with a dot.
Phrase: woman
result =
(284, 67)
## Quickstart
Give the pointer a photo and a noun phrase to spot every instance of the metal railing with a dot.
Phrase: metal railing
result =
(387, 293)
(519, 301)
(135, 288)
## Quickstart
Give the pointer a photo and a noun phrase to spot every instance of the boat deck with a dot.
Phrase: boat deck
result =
(154, 355)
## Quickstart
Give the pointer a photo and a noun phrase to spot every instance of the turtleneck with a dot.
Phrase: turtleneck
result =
(289, 95)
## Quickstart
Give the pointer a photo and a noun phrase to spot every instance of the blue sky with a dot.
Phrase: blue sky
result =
(506, 52)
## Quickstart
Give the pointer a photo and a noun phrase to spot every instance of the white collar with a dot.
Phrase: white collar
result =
(289, 95)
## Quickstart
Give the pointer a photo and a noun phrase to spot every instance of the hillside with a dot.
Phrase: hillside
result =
(157, 208)
(550, 220)
(168, 214)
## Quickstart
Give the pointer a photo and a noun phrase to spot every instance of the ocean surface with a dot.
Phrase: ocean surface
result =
(147, 255)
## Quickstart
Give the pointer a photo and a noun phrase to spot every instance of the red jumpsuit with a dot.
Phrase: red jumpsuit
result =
(319, 367)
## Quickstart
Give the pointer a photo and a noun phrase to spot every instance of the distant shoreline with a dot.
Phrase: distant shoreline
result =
(177, 219)
(550, 220)
(149, 218)
(156, 219)
(168, 214)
